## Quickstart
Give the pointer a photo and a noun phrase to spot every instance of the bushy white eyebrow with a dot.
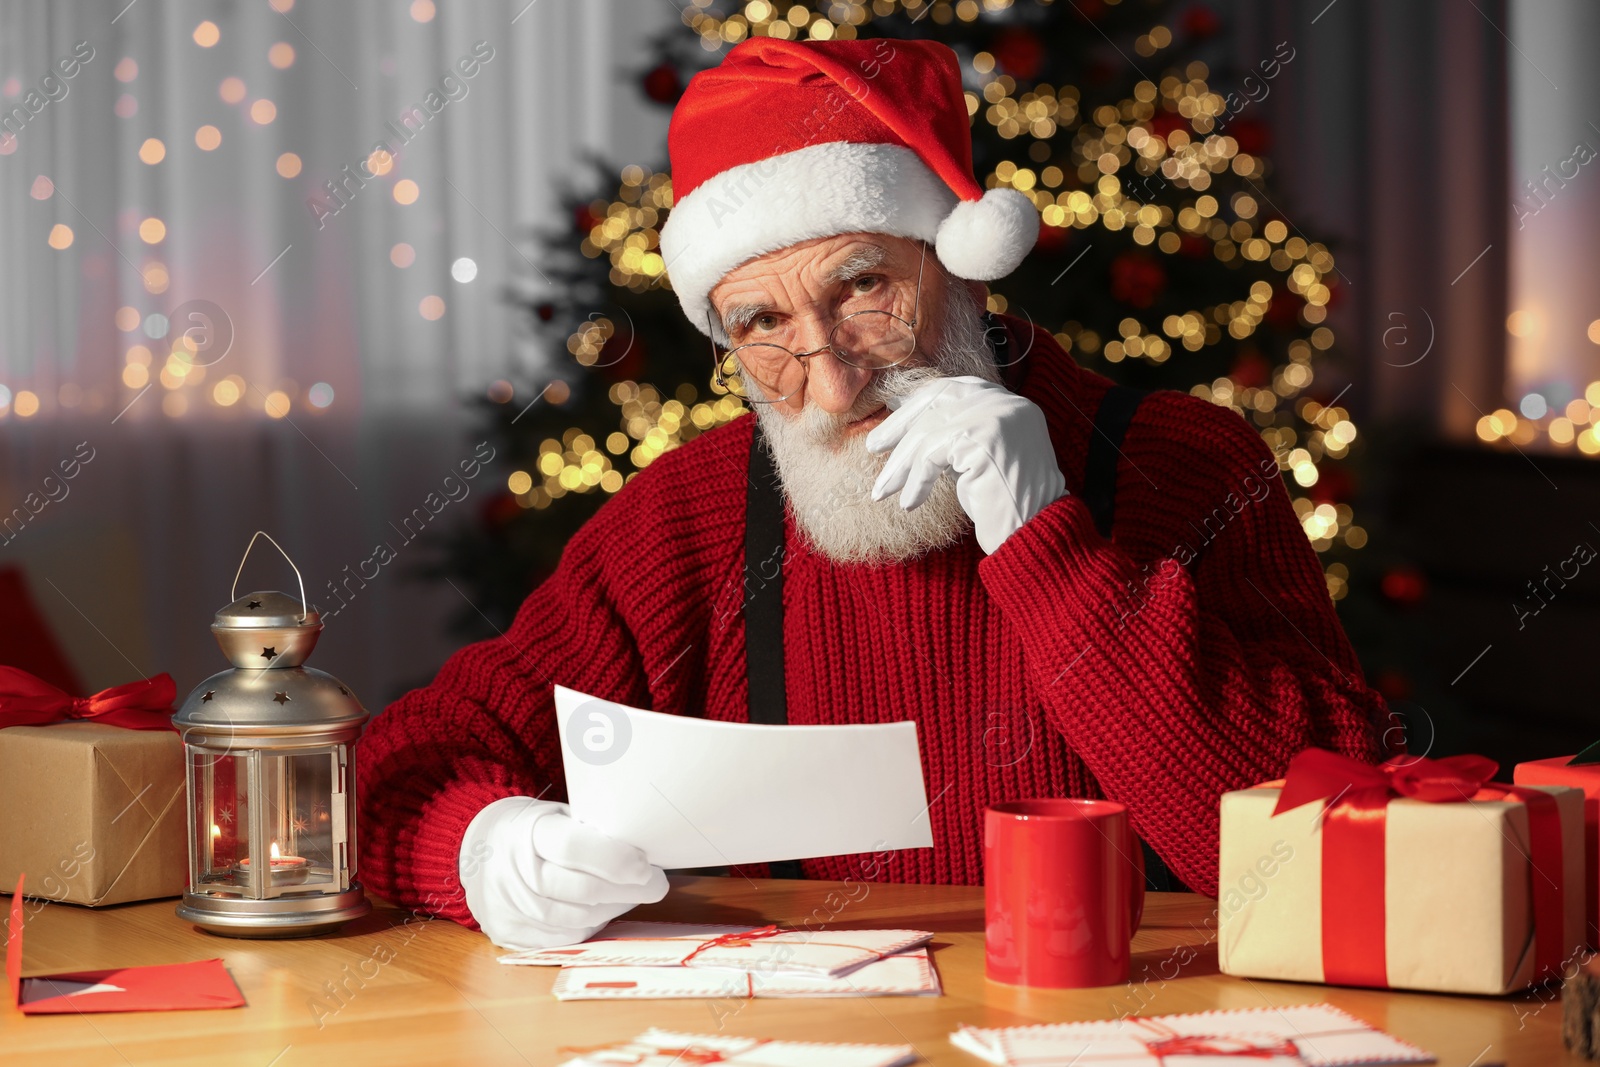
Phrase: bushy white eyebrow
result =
(737, 317)
(857, 263)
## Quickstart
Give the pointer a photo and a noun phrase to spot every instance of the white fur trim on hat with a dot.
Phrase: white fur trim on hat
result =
(818, 191)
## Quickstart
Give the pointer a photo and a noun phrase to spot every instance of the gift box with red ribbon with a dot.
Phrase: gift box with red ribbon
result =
(1581, 772)
(1413, 874)
(91, 791)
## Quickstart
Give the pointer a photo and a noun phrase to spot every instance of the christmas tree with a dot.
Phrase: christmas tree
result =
(1163, 261)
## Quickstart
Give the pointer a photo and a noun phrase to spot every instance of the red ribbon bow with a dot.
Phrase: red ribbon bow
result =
(741, 939)
(29, 701)
(1353, 876)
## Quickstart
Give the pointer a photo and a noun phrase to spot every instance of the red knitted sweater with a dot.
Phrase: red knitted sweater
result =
(1065, 664)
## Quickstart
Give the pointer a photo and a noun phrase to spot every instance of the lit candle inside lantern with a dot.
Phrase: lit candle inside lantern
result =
(285, 870)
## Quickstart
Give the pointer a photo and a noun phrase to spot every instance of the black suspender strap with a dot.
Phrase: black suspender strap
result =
(763, 601)
(763, 587)
(1111, 421)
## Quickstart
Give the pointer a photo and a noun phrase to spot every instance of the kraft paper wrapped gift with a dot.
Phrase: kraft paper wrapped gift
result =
(1388, 878)
(1581, 772)
(92, 803)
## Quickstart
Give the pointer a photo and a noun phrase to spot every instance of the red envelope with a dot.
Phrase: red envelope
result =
(166, 987)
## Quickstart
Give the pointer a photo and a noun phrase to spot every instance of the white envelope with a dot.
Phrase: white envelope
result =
(824, 953)
(696, 793)
(663, 1048)
(1312, 1035)
(910, 974)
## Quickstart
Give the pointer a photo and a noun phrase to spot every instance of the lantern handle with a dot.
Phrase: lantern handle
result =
(305, 605)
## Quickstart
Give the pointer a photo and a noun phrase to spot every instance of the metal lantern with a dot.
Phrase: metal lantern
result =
(271, 777)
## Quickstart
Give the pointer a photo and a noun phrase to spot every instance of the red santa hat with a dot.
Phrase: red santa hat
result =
(786, 141)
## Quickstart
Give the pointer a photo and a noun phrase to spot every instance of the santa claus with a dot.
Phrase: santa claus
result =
(933, 514)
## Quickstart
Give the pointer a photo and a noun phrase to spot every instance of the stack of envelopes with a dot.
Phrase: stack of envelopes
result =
(631, 960)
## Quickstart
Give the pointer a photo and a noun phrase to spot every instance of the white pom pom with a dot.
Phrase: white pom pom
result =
(985, 239)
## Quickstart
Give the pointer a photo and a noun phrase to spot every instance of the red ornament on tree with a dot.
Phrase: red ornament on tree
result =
(1200, 22)
(1053, 238)
(1250, 371)
(1253, 136)
(1163, 124)
(662, 84)
(499, 509)
(1137, 279)
(1019, 52)
(1394, 685)
(1334, 485)
(1405, 586)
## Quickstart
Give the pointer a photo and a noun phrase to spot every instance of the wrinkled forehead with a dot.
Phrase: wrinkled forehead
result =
(812, 268)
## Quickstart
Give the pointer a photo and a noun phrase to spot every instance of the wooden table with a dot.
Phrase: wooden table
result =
(386, 991)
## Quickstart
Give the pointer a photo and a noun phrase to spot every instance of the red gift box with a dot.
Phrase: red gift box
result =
(1585, 776)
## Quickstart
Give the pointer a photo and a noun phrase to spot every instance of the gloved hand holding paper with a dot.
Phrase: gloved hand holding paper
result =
(696, 793)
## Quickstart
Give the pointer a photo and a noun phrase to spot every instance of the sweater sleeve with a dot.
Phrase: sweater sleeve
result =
(485, 729)
(1175, 687)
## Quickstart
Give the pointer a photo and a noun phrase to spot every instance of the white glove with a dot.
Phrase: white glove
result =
(994, 442)
(535, 877)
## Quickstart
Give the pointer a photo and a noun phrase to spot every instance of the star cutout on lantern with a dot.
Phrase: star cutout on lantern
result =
(226, 815)
(269, 653)
(300, 825)
(207, 698)
(281, 697)
(254, 604)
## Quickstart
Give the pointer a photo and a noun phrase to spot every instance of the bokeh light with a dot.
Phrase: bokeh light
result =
(289, 165)
(207, 138)
(43, 188)
(463, 270)
(152, 231)
(431, 307)
(405, 191)
(402, 255)
(281, 55)
(153, 151)
(206, 34)
(231, 90)
(60, 236)
(263, 111)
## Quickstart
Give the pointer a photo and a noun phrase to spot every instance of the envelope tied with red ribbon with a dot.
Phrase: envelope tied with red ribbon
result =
(142, 705)
(1353, 864)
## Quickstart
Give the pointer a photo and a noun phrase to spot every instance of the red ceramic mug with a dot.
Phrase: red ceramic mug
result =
(1063, 892)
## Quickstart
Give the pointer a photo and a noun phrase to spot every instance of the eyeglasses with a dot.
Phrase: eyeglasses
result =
(868, 340)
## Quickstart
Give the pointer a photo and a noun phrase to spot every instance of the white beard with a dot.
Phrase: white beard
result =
(828, 477)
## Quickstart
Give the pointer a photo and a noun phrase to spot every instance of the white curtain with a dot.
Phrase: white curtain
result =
(165, 156)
